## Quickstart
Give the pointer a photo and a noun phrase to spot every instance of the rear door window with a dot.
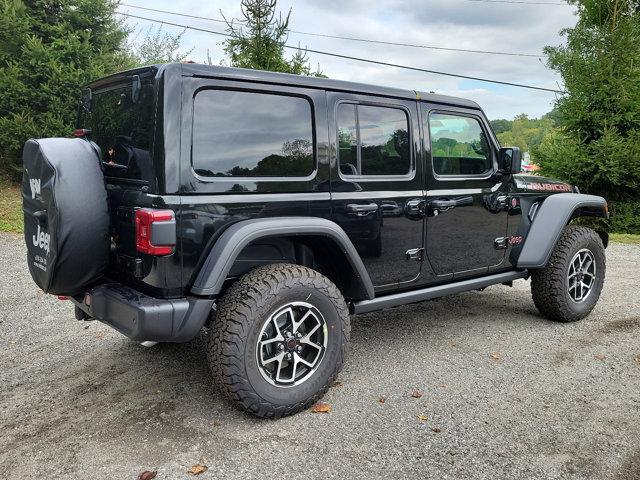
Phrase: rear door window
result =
(251, 134)
(373, 140)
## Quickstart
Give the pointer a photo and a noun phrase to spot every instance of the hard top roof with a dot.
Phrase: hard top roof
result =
(243, 74)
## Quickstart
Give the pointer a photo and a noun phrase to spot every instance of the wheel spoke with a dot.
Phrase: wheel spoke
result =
(297, 324)
(295, 367)
(276, 358)
(307, 337)
(279, 369)
(299, 359)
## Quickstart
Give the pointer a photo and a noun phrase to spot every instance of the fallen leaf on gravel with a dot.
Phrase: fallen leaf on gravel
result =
(423, 418)
(600, 356)
(416, 393)
(382, 399)
(147, 475)
(452, 343)
(496, 356)
(197, 469)
(637, 359)
(444, 385)
(435, 430)
(337, 384)
(321, 407)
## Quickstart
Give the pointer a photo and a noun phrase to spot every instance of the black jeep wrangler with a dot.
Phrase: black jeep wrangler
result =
(270, 207)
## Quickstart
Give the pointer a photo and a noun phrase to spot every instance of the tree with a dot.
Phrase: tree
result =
(259, 41)
(598, 144)
(523, 132)
(48, 50)
(158, 46)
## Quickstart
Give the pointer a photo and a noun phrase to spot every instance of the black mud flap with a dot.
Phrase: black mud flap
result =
(66, 214)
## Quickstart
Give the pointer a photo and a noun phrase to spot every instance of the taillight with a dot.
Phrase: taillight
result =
(81, 132)
(155, 231)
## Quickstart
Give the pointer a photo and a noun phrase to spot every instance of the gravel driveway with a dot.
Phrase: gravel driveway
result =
(505, 394)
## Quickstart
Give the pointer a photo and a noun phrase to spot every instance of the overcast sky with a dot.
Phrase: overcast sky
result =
(467, 24)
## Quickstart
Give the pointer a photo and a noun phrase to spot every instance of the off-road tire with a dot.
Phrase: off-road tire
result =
(549, 285)
(239, 317)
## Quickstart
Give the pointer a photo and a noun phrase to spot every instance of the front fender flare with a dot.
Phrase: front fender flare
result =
(553, 215)
(226, 249)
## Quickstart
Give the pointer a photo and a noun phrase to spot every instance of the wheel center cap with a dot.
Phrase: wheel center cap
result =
(292, 343)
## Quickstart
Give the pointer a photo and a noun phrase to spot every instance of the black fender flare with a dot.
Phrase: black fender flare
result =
(226, 249)
(552, 216)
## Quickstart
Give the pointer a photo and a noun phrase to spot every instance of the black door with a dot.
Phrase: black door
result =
(376, 183)
(466, 207)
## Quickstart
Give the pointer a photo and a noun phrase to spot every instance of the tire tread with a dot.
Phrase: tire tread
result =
(234, 316)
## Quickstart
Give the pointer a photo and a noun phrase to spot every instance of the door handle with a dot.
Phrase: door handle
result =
(414, 208)
(446, 204)
(361, 210)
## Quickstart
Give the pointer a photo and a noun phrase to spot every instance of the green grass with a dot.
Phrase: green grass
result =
(625, 238)
(10, 207)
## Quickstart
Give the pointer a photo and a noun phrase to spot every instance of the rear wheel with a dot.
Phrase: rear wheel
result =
(569, 286)
(278, 339)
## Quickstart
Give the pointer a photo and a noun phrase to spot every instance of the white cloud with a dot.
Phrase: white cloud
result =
(451, 23)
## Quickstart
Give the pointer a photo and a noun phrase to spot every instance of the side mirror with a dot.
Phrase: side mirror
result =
(510, 160)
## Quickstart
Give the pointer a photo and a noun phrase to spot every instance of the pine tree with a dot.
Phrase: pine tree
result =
(259, 41)
(598, 144)
(48, 50)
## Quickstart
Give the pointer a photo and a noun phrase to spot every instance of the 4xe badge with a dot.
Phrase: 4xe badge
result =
(514, 240)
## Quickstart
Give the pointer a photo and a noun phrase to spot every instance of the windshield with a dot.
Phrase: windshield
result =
(121, 122)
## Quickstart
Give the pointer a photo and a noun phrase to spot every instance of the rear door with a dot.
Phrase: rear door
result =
(376, 183)
(466, 204)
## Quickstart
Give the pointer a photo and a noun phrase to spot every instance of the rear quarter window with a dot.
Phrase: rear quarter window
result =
(252, 134)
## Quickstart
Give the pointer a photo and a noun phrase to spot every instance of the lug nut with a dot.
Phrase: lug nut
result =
(298, 335)
(298, 349)
(280, 346)
(288, 356)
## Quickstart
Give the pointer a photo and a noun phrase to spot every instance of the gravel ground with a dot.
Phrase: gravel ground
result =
(79, 401)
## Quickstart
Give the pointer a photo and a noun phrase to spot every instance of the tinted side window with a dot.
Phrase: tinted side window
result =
(347, 139)
(458, 145)
(373, 140)
(250, 134)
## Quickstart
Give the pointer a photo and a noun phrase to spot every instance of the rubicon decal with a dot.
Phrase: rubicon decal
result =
(547, 187)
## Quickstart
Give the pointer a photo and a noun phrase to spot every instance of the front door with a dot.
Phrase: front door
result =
(377, 195)
(466, 207)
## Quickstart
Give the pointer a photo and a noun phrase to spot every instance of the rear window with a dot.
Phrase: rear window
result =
(122, 123)
(251, 134)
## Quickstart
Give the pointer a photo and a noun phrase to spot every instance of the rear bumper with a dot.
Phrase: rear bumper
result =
(144, 318)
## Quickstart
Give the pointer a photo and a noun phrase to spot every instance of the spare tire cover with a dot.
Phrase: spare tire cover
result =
(66, 214)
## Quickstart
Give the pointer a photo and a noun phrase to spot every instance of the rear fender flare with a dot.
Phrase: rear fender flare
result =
(552, 216)
(227, 248)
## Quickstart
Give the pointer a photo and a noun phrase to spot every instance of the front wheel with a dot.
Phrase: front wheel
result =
(569, 286)
(278, 339)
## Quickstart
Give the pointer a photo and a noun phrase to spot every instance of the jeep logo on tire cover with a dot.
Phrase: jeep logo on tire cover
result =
(41, 239)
